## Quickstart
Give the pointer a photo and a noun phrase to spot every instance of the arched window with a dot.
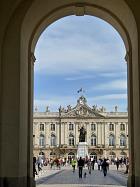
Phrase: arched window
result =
(52, 154)
(122, 140)
(71, 139)
(41, 153)
(93, 156)
(122, 127)
(70, 156)
(111, 127)
(41, 140)
(93, 140)
(71, 126)
(111, 140)
(123, 155)
(112, 155)
(52, 127)
(93, 127)
(53, 140)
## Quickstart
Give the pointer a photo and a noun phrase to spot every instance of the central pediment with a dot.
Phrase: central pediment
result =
(82, 110)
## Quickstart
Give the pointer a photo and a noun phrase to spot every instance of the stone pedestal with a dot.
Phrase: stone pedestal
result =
(82, 150)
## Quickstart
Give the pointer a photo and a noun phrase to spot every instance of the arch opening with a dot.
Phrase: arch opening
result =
(93, 139)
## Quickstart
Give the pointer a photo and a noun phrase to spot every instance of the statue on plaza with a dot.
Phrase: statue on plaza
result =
(82, 135)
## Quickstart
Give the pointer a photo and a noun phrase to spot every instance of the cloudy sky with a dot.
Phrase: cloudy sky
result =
(80, 52)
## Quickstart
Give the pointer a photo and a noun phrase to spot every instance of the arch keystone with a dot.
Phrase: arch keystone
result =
(80, 9)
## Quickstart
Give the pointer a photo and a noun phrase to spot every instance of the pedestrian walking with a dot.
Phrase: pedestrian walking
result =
(99, 163)
(73, 163)
(104, 167)
(117, 163)
(127, 165)
(89, 164)
(34, 167)
(80, 166)
(93, 164)
(108, 162)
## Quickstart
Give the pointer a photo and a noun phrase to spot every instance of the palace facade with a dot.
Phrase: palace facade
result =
(56, 134)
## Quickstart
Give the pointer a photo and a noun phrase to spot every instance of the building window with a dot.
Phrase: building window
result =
(93, 156)
(70, 156)
(41, 140)
(93, 127)
(111, 127)
(52, 155)
(122, 127)
(111, 140)
(71, 126)
(122, 140)
(123, 155)
(52, 127)
(41, 127)
(71, 140)
(112, 155)
(53, 140)
(93, 140)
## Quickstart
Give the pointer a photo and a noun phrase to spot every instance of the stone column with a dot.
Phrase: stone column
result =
(98, 126)
(57, 133)
(103, 133)
(88, 133)
(65, 133)
(16, 118)
(47, 134)
(99, 135)
(62, 132)
(76, 133)
(36, 134)
(117, 135)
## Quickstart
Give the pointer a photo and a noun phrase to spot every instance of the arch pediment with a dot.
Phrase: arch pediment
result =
(82, 110)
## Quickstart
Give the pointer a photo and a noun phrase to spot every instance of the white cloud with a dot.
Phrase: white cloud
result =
(66, 51)
(74, 52)
(74, 78)
(113, 74)
(76, 60)
(112, 85)
(54, 102)
(108, 97)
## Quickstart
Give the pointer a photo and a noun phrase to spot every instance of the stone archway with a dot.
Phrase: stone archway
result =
(24, 26)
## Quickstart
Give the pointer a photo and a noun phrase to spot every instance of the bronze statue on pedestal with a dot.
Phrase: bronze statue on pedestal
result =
(82, 135)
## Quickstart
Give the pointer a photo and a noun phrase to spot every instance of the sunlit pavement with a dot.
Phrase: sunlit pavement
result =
(65, 177)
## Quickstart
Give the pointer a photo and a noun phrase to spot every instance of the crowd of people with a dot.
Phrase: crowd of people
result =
(103, 164)
(80, 163)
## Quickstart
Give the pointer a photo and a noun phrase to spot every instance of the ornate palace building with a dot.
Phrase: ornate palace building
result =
(56, 134)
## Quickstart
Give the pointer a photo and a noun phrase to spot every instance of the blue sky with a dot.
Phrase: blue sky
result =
(76, 52)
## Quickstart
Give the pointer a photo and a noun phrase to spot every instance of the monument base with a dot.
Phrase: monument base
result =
(82, 150)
